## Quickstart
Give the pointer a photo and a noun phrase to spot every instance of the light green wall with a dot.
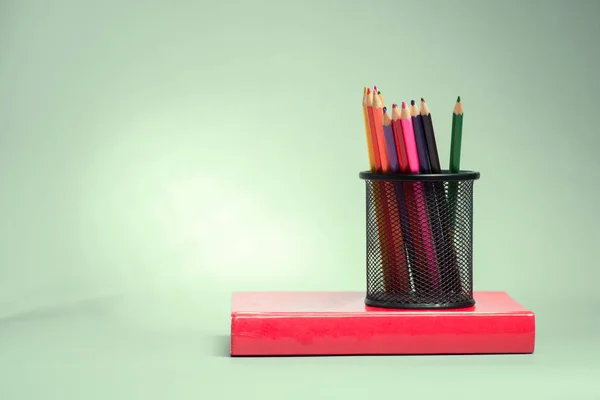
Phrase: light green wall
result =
(173, 152)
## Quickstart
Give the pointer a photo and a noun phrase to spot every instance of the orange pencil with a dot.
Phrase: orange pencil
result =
(379, 191)
(378, 123)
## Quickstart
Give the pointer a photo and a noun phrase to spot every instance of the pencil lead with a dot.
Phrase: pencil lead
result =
(384, 109)
(423, 100)
(458, 100)
(394, 105)
(374, 88)
(368, 90)
(412, 102)
(403, 105)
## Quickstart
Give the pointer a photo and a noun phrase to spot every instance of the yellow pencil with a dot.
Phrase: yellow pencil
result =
(368, 131)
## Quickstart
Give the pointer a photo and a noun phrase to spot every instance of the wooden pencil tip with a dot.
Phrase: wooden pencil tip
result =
(384, 109)
(378, 92)
(394, 105)
(422, 100)
(403, 105)
(374, 88)
(412, 102)
(458, 100)
(368, 90)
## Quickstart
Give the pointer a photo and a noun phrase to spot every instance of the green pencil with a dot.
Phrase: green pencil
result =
(455, 145)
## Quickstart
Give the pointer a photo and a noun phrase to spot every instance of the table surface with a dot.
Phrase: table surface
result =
(142, 347)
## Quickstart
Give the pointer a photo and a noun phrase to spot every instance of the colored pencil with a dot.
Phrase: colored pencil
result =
(401, 265)
(374, 143)
(417, 123)
(378, 124)
(388, 200)
(456, 140)
(410, 231)
(409, 140)
(447, 259)
(413, 161)
(434, 159)
(381, 98)
(390, 142)
(428, 189)
(400, 147)
(368, 130)
(382, 212)
(455, 149)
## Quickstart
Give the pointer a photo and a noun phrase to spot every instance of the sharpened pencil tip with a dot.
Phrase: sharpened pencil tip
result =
(378, 92)
(412, 102)
(384, 109)
(458, 100)
(394, 105)
(374, 88)
(403, 105)
(423, 100)
(368, 90)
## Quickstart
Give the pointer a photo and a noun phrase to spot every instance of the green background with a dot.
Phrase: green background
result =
(156, 156)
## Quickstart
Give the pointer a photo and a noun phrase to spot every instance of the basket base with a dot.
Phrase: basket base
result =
(418, 306)
(339, 323)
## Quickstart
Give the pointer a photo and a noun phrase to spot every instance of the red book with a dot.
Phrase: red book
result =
(339, 323)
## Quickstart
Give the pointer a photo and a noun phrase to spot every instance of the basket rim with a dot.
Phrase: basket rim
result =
(446, 176)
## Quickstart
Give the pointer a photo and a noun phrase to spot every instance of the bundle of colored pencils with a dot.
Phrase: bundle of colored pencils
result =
(415, 237)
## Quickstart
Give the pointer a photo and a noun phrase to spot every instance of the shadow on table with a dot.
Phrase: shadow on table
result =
(219, 346)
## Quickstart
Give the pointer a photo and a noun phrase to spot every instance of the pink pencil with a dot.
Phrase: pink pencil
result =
(413, 164)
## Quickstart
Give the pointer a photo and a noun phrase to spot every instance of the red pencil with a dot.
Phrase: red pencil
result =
(400, 147)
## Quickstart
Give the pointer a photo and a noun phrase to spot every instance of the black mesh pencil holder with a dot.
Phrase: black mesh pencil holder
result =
(420, 240)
